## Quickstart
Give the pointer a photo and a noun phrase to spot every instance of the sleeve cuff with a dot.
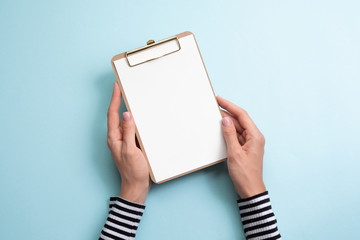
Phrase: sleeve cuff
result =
(259, 201)
(253, 197)
(126, 204)
(258, 219)
(123, 219)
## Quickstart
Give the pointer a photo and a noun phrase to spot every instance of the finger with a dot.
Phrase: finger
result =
(128, 129)
(241, 115)
(230, 135)
(239, 129)
(113, 113)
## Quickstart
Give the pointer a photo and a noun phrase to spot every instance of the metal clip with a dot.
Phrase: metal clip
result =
(150, 44)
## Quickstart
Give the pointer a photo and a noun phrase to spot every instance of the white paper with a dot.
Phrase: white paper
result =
(175, 111)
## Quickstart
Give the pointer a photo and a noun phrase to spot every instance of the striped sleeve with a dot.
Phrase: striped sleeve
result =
(258, 219)
(123, 220)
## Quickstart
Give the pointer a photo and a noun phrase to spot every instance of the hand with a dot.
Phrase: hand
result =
(130, 161)
(245, 148)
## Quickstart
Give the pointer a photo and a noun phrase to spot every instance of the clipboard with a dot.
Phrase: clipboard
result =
(166, 87)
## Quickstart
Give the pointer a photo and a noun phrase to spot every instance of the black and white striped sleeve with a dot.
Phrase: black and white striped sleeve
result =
(258, 219)
(123, 220)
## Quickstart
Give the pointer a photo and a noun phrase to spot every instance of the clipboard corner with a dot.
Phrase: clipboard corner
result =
(152, 177)
(184, 34)
(117, 57)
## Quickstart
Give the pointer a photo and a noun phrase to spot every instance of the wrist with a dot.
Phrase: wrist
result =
(251, 190)
(134, 193)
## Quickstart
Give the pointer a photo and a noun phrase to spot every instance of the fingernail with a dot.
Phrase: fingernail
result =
(226, 121)
(126, 116)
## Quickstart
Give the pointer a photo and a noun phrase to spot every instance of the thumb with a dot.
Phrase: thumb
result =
(128, 127)
(229, 133)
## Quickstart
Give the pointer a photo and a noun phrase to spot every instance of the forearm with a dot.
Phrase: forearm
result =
(123, 220)
(258, 219)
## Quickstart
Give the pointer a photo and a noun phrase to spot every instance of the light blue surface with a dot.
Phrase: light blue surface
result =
(293, 65)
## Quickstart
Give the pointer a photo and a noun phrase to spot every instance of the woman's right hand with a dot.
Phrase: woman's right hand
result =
(245, 148)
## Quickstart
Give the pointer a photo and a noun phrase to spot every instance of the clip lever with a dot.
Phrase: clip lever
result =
(150, 44)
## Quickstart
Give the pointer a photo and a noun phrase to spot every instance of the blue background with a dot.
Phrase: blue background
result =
(293, 65)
